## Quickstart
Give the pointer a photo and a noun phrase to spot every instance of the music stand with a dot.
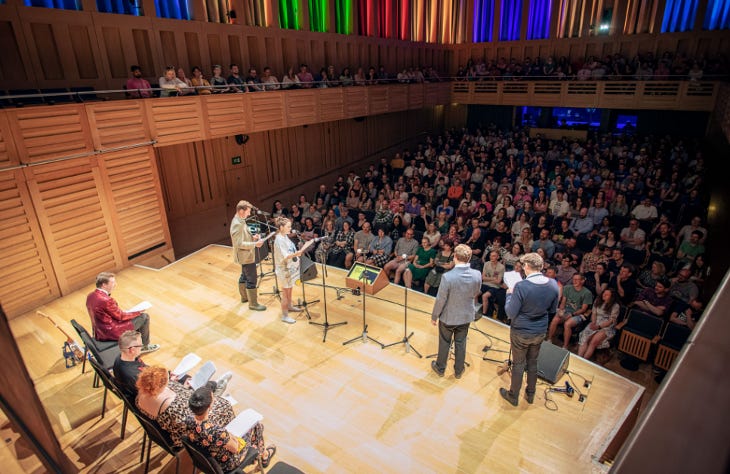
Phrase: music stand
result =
(366, 278)
(305, 274)
(406, 336)
(260, 258)
(325, 325)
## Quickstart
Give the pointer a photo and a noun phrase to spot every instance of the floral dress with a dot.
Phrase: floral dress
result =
(212, 437)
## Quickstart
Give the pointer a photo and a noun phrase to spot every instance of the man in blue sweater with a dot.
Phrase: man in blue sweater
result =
(528, 303)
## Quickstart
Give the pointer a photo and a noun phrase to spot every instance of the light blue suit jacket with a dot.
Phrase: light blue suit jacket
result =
(455, 299)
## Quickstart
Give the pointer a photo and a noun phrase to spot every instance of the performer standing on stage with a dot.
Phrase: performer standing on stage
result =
(286, 266)
(528, 303)
(454, 310)
(244, 245)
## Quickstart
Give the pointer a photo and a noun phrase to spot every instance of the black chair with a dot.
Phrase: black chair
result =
(105, 352)
(639, 332)
(33, 97)
(57, 96)
(207, 464)
(110, 385)
(160, 437)
(84, 94)
(670, 344)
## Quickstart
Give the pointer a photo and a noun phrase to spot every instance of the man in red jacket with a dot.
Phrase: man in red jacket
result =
(107, 318)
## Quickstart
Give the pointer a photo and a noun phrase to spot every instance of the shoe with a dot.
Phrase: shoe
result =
(435, 368)
(271, 450)
(508, 396)
(289, 320)
(530, 397)
(253, 302)
(295, 309)
(458, 374)
(242, 292)
(149, 348)
(222, 383)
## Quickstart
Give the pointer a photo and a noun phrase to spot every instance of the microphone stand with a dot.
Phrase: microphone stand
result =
(275, 291)
(262, 273)
(364, 337)
(303, 302)
(325, 325)
(406, 338)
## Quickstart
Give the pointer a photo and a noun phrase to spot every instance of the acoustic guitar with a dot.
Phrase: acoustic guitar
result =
(78, 352)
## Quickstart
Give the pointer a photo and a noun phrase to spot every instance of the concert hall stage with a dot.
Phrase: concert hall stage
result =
(329, 407)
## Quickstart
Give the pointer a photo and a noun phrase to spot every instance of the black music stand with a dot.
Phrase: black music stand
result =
(305, 274)
(276, 292)
(406, 336)
(259, 257)
(364, 276)
(325, 325)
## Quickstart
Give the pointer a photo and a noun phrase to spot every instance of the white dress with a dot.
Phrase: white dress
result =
(287, 270)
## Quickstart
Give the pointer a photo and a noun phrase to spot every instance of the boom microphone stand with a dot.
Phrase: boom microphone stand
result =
(364, 335)
(275, 291)
(259, 258)
(303, 301)
(325, 325)
(406, 338)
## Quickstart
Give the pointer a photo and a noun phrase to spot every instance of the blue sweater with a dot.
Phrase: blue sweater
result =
(528, 305)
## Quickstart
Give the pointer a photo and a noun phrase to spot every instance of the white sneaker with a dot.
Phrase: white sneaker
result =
(222, 383)
(295, 309)
(289, 320)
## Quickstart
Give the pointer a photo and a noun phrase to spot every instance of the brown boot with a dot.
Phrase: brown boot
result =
(253, 302)
(242, 291)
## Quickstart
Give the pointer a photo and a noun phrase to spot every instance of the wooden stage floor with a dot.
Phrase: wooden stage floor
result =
(328, 407)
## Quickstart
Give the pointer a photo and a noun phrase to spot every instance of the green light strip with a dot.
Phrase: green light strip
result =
(343, 16)
(289, 14)
(318, 15)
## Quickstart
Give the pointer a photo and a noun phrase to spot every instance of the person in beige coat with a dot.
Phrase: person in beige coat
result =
(244, 245)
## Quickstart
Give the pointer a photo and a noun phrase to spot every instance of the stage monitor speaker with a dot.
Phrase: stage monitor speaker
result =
(241, 139)
(307, 269)
(552, 363)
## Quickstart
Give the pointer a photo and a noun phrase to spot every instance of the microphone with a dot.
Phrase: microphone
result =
(568, 390)
(263, 213)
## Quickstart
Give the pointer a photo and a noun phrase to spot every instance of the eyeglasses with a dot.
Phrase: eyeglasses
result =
(133, 347)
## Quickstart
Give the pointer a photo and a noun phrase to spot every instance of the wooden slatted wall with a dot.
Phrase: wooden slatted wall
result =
(26, 271)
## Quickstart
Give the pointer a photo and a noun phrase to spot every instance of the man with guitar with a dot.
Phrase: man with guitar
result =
(286, 266)
(107, 318)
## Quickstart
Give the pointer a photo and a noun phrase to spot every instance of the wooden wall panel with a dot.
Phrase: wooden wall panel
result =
(47, 50)
(378, 100)
(175, 120)
(267, 110)
(25, 268)
(299, 110)
(118, 123)
(136, 198)
(8, 153)
(86, 67)
(356, 101)
(44, 133)
(11, 62)
(331, 104)
(225, 115)
(76, 220)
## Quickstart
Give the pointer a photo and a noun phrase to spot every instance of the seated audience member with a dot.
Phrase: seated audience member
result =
(656, 300)
(209, 434)
(166, 402)
(682, 287)
(171, 85)
(633, 239)
(443, 262)
(217, 81)
(270, 82)
(624, 283)
(544, 242)
(405, 252)
(649, 275)
(188, 89)
(514, 255)
(493, 289)
(363, 239)
(689, 249)
(421, 264)
(573, 309)
(235, 81)
(253, 82)
(597, 281)
(200, 83)
(380, 250)
(290, 80)
(566, 271)
(137, 86)
(306, 80)
(109, 321)
(687, 314)
(128, 365)
(600, 331)
(341, 253)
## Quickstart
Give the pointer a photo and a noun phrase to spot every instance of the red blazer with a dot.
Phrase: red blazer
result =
(107, 319)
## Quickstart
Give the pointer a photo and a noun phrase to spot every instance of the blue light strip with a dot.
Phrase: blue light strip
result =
(509, 26)
(679, 15)
(717, 16)
(538, 21)
(483, 20)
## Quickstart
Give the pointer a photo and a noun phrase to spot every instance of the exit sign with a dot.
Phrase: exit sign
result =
(236, 160)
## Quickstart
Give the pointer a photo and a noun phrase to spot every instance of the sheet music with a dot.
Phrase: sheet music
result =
(511, 279)
(202, 376)
(140, 307)
(268, 236)
(244, 421)
(186, 363)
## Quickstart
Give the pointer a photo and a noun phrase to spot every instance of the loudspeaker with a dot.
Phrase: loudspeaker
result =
(241, 139)
(307, 269)
(552, 362)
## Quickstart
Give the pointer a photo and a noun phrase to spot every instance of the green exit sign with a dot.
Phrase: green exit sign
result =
(236, 160)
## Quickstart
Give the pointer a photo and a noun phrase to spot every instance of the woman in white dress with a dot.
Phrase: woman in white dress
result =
(286, 266)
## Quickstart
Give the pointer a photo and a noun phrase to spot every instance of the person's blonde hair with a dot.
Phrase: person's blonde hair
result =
(281, 221)
(462, 253)
(152, 380)
(533, 260)
(243, 205)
